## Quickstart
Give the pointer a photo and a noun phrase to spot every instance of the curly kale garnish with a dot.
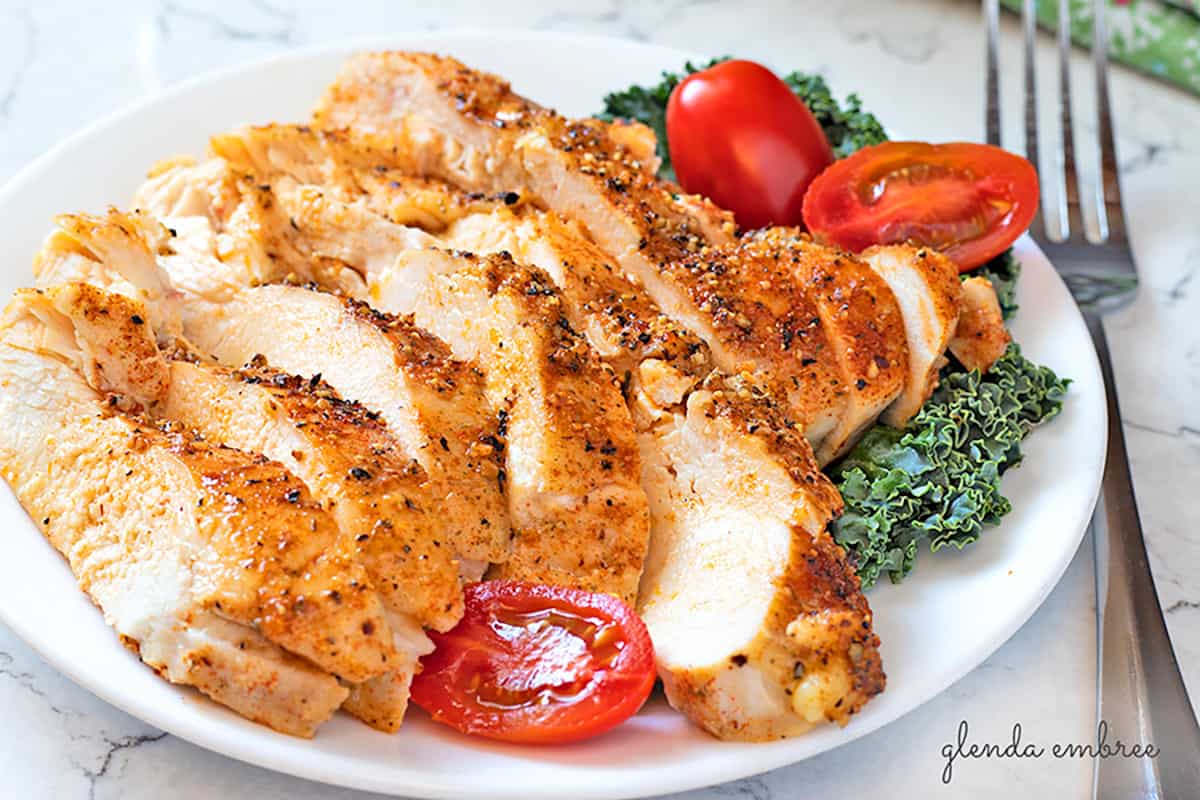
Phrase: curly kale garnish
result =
(846, 125)
(939, 478)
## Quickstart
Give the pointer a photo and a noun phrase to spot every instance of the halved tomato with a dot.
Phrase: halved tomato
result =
(970, 201)
(537, 664)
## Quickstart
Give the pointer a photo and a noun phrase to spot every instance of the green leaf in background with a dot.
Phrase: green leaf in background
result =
(846, 125)
(1157, 37)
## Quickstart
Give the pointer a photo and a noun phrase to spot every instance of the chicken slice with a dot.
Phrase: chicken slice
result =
(980, 338)
(239, 228)
(470, 128)
(759, 626)
(925, 284)
(158, 525)
(346, 166)
(861, 319)
(572, 467)
(82, 247)
(183, 187)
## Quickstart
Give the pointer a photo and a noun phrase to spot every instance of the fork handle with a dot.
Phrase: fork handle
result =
(1141, 698)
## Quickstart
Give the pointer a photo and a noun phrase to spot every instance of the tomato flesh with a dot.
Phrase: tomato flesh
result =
(530, 663)
(970, 201)
(739, 136)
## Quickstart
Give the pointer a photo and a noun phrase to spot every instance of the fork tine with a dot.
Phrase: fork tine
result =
(1029, 20)
(1072, 225)
(1112, 218)
(991, 13)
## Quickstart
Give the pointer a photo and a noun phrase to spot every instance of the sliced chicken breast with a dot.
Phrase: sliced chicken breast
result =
(981, 337)
(167, 532)
(926, 286)
(861, 319)
(618, 375)
(433, 405)
(572, 466)
(342, 454)
(758, 623)
(447, 121)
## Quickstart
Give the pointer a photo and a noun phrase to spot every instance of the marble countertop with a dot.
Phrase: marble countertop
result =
(62, 64)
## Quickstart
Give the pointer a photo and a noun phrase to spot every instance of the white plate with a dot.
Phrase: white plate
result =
(955, 611)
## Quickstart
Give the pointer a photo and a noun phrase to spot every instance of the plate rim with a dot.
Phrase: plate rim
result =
(191, 729)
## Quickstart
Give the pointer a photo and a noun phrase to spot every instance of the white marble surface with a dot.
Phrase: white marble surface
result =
(63, 64)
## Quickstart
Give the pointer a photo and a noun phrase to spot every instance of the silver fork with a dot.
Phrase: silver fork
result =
(1141, 698)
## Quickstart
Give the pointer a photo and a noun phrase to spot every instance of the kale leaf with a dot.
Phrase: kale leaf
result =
(939, 478)
(847, 126)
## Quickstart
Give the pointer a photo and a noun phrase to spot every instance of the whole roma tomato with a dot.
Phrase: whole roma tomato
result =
(739, 136)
